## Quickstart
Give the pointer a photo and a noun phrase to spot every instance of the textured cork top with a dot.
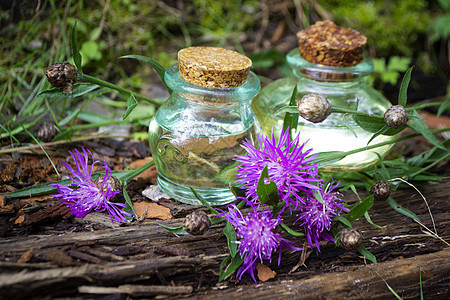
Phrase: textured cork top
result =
(327, 44)
(213, 67)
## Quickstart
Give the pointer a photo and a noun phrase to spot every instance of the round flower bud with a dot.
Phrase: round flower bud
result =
(47, 132)
(380, 190)
(350, 239)
(113, 182)
(314, 108)
(196, 223)
(62, 75)
(396, 116)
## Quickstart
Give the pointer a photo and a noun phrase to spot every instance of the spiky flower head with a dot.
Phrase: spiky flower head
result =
(85, 195)
(316, 214)
(288, 166)
(258, 240)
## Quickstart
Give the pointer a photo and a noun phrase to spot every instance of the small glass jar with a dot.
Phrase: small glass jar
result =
(345, 88)
(195, 135)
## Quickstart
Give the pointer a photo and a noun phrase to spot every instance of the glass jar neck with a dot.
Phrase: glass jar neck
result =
(211, 96)
(328, 74)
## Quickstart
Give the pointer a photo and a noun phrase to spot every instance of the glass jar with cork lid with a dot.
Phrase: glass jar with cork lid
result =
(328, 62)
(195, 135)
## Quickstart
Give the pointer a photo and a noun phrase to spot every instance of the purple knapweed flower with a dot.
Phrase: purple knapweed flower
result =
(288, 166)
(315, 216)
(84, 194)
(257, 239)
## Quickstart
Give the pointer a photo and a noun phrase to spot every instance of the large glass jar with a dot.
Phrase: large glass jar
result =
(345, 88)
(195, 135)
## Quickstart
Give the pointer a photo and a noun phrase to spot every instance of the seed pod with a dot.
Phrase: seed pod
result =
(381, 190)
(350, 239)
(62, 75)
(196, 223)
(314, 108)
(47, 132)
(396, 116)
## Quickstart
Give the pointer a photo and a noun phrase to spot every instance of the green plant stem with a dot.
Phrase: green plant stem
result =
(430, 165)
(100, 82)
(406, 137)
(354, 112)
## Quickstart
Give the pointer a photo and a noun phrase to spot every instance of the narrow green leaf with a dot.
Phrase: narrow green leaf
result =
(230, 233)
(156, 65)
(367, 216)
(129, 208)
(291, 119)
(359, 209)
(445, 106)
(235, 263)
(131, 104)
(343, 220)
(329, 157)
(419, 126)
(79, 89)
(374, 124)
(237, 192)
(398, 208)
(318, 196)
(402, 95)
(267, 192)
(290, 231)
(44, 189)
(176, 230)
(75, 49)
(203, 201)
(367, 254)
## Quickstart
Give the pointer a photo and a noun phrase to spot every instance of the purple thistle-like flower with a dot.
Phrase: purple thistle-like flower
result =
(258, 241)
(88, 195)
(288, 166)
(316, 216)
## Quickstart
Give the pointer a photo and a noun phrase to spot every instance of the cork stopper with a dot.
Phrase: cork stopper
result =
(327, 44)
(213, 67)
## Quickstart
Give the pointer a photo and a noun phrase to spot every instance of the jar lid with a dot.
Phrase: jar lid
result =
(327, 44)
(213, 67)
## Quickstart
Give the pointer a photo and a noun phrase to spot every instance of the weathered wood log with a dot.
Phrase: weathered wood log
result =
(363, 282)
(145, 253)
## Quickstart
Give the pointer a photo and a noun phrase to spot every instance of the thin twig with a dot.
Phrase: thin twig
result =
(432, 233)
(49, 144)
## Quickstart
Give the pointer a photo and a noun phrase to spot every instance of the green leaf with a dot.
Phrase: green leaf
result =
(176, 230)
(445, 106)
(374, 124)
(156, 65)
(79, 89)
(318, 196)
(398, 208)
(203, 201)
(75, 49)
(359, 209)
(329, 157)
(44, 189)
(367, 254)
(131, 104)
(237, 191)
(398, 64)
(419, 126)
(291, 119)
(285, 109)
(290, 231)
(129, 208)
(366, 215)
(267, 193)
(402, 95)
(343, 220)
(235, 263)
(230, 233)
